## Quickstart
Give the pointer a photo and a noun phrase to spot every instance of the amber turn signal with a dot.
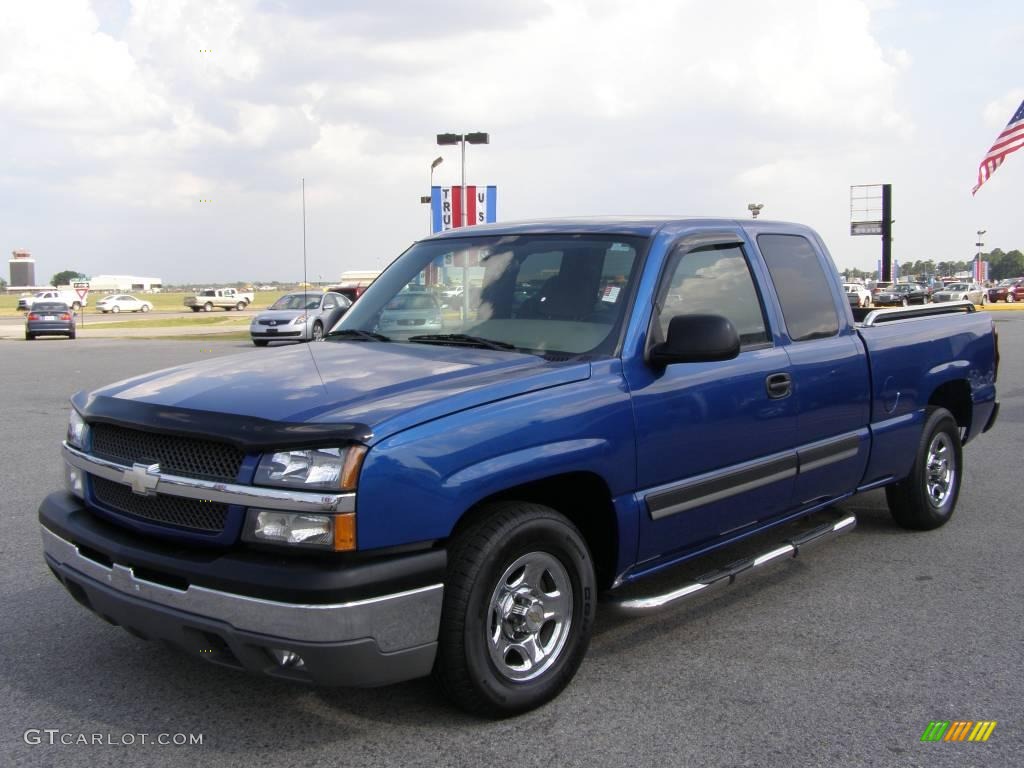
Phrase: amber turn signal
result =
(354, 456)
(345, 532)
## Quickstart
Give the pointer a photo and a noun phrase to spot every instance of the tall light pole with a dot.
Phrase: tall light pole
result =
(449, 139)
(755, 208)
(977, 259)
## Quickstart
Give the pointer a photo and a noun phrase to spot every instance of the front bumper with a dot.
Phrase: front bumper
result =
(285, 333)
(362, 624)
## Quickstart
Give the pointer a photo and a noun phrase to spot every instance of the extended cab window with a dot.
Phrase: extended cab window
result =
(713, 281)
(801, 285)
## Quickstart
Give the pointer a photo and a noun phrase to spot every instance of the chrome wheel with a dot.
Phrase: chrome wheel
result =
(318, 332)
(941, 469)
(529, 616)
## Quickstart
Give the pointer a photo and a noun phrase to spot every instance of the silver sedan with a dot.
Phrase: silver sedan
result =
(298, 317)
(961, 292)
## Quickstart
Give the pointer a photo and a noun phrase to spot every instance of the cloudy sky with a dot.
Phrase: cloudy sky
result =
(119, 119)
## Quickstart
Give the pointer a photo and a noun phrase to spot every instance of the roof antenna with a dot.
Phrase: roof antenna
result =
(305, 282)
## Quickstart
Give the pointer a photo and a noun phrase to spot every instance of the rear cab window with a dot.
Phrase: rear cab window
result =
(804, 291)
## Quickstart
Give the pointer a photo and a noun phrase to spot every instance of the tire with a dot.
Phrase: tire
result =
(1010, 298)
(905, 302)
(208, 307)
(115, 309)
(240, 306)
(29, 336)
(72, 335)
(927, 497)
(260, 342)
(506, 573)
(318, 331)
(145, 307)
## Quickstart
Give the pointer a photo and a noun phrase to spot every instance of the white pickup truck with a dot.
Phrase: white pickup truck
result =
(228, 298)
(68, 297)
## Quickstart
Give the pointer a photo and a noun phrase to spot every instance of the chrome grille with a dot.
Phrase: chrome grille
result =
(164, 509)
(176, 455)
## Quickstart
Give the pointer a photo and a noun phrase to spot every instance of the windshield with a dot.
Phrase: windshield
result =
(50, 306)
(546, 294)
(297, 301)
(957, 287)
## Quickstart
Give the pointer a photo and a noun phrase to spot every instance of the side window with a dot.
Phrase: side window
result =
(803, 290)
(714, 280)
(330, 303)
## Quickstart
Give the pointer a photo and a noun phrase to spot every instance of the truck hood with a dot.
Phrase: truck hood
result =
(371, 388)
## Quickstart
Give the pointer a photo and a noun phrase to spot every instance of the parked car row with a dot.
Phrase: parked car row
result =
(905, 294)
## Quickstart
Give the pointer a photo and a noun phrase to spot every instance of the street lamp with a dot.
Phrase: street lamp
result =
(450, 139)
(754, 208)
(426, 199)
(977, 259)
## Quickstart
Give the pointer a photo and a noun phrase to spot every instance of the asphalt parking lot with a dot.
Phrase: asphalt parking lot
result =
(838, 659)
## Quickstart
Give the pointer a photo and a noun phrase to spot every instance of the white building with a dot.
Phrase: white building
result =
(125, 283)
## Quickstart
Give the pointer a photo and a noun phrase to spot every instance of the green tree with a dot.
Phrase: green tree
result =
(66, 277)
(1011, 265)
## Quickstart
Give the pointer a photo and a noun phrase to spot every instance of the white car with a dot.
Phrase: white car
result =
(122, 302)
(858, 295)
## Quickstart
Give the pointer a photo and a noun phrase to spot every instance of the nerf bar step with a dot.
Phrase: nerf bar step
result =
(728, 574)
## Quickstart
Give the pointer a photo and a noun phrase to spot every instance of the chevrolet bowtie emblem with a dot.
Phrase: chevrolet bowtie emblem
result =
(143, 478)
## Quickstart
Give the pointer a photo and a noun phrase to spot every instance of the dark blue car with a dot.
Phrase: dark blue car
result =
(49, 318)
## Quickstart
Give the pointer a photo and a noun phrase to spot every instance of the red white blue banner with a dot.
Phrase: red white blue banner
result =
(446, 205)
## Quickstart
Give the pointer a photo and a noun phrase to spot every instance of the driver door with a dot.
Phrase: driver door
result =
(715, 440)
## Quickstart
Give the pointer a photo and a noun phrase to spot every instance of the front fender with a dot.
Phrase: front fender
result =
(415, 485)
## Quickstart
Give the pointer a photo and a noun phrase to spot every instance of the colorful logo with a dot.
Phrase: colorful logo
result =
(958, 730)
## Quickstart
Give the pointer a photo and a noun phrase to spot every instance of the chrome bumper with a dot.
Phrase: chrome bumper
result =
(366, 642)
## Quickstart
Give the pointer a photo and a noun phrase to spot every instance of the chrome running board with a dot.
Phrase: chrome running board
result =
(723, 577)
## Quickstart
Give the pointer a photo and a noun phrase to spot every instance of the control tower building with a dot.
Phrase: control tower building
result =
(23, 269)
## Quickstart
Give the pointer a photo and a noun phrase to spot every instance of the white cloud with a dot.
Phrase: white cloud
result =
(997, 113)
(594, 107)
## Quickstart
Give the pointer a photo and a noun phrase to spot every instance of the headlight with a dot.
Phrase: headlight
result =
(78, 430)
(335, 533)
(299, 320)
(316, 469)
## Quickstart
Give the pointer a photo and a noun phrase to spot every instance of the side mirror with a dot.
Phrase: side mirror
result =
(696, 339)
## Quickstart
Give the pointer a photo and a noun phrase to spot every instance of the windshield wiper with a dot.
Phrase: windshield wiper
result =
(355, 333)
(462, 339)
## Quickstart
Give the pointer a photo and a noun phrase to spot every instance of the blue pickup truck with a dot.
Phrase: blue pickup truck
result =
(607, 398)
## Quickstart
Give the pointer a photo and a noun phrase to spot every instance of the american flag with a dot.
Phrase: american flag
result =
(1010, 140)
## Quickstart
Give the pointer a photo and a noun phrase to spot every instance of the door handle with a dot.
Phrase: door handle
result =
(779, 385)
